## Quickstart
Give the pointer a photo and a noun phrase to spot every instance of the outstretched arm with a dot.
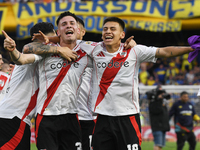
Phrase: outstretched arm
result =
(172, 51)
(39, 48)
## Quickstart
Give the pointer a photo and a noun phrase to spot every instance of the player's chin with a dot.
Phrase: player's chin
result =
(108, 42)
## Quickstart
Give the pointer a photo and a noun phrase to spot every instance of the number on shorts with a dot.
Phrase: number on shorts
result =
(78, 145)
(90, 140)
(133, 147)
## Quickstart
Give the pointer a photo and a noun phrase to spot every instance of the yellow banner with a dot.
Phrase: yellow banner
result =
(154, 16)
(101, 8)
(3, 11)
(184, 9)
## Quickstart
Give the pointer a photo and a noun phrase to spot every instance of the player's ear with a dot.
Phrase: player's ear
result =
(78, 30)
(122, 36)
(58, 33)
(83, 31)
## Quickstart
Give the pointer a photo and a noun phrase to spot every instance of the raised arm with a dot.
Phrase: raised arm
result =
(172, 51)
(16, 56)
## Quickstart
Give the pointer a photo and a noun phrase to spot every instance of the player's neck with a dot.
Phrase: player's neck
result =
(112, 48)
(69, 44)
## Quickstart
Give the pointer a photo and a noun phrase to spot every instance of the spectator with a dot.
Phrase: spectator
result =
(172, 70)
(151, 81)
(160, 73)
(184, 114)
(185, 64)
(170, 80)
(190, 77)
(143, 73)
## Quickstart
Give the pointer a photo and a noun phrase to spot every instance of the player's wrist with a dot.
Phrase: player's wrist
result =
(12, 49)
(58, 50)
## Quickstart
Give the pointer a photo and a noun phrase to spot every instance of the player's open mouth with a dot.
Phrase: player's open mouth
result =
(69, 32)
(108, 37)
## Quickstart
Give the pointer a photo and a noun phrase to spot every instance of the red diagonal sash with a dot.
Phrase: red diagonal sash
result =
(109, 75)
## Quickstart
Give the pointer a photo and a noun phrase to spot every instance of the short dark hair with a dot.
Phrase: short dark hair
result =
(45, 27)
(183, 93)
(115, 19)
(5, 61)
(66, 13)
(79, 20)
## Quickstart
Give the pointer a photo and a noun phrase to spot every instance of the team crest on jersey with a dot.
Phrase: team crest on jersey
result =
(190, 106)
(88, 42)
(123, 54)
(91, 43)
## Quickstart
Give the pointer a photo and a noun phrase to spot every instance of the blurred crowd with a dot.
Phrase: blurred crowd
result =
(174, 71)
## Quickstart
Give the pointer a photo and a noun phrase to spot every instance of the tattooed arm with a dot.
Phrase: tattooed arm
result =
(39, 48)
(172, 51)
(21, 59)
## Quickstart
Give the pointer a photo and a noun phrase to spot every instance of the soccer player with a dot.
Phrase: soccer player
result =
(4, 79)
(115, 87)
(85, 114)
(18, 106)
(184, 114)
(57, 125)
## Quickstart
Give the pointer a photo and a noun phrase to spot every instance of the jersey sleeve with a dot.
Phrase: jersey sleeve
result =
(87, 46)
(145, 53)
(37, 58)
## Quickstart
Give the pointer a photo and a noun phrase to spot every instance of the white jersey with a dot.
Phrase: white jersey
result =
(4, 79)
(115, 79)
(84, 101)
(59, 83)
(21, 95)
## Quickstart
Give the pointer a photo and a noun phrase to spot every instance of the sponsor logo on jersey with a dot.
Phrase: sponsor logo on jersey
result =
(101, 54)
(112, 64)
(186, 112)
(65, 63)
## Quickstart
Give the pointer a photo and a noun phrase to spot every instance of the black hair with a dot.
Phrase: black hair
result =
(66, 13)
(5, 61)
(79, 20)
(45, 27)
(115, 19)
(183, 93)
